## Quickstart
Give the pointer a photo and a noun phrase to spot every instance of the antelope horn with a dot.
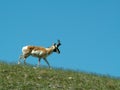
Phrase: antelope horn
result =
(58, 43)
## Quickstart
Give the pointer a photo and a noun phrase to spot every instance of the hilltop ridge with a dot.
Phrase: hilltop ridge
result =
(21, 77)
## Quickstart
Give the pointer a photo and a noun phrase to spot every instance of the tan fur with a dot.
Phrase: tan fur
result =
(46, 51)
(36, 48)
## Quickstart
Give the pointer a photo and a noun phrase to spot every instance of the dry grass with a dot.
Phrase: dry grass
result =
(21, 77)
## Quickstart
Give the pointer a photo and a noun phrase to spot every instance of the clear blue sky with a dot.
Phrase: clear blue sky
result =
(88, 29)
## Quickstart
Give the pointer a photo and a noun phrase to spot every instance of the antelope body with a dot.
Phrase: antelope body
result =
(39, 52)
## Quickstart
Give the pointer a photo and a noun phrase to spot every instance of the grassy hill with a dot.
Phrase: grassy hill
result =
(21, 77)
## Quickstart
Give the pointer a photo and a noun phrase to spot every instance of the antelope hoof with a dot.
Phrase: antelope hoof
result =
(18, 62)
(50, 68)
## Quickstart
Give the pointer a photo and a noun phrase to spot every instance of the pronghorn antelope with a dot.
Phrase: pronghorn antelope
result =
(39, 52)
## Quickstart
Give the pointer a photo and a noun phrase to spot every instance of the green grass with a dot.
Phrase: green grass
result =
(21, 77)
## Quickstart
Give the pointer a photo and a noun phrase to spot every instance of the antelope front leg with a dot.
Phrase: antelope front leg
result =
(47, 62)
(39, 61)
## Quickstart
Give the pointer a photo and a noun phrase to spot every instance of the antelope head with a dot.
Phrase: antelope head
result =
(56, 47)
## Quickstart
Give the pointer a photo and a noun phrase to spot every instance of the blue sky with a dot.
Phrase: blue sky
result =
(89, 31)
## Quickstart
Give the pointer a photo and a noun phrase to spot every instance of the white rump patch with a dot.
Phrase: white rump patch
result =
(24, 48)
